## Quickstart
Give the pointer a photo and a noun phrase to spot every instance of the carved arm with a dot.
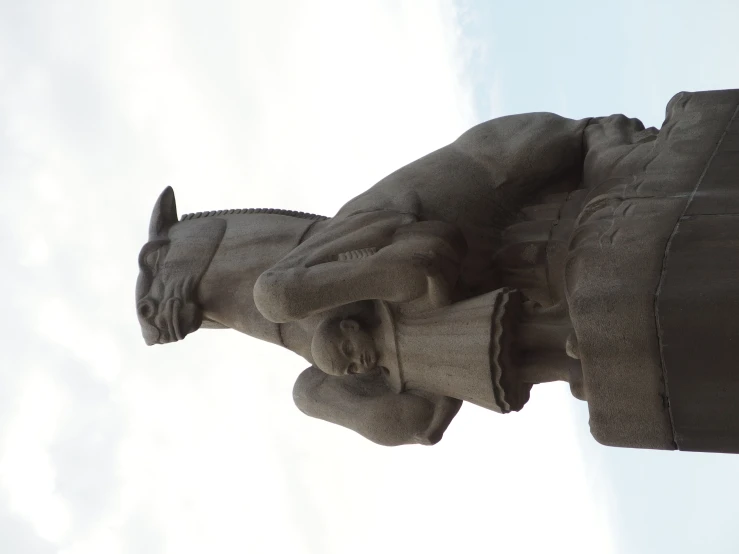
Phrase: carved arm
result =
(367, 406)
(414, 260)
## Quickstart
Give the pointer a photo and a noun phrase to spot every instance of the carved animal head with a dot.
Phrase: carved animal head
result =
(171, 265)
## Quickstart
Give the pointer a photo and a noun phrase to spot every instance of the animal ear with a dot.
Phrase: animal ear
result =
(164, 214)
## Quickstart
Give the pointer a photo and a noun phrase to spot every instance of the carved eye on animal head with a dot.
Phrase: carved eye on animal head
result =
(152, 256)
(164, 214)
(150, 288)
(152, 259)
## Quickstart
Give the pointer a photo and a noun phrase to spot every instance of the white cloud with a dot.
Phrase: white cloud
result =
(27, 472)
(197, 446)
(63, 324)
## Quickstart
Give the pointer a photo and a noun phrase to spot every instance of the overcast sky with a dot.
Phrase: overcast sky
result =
(109, 446)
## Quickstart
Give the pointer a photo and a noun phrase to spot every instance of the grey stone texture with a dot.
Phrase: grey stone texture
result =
(534, 248)
(697, 299)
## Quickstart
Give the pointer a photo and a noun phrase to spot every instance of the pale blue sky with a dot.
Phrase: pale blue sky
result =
(107, 446)
(582, 58)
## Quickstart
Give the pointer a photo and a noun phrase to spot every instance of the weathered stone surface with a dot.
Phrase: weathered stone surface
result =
(698, 302)
(616, 261)
(531, 249)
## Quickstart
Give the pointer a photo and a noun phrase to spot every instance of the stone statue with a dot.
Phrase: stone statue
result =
(531, 249)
